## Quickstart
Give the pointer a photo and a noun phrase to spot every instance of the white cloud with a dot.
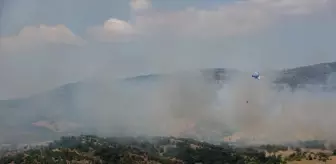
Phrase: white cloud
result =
(34, 36)
(112, 30)
(237, 18)
(140, 4)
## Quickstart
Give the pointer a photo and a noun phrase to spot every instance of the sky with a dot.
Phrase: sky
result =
(47, 43)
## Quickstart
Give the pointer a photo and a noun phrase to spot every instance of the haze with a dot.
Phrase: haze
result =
(45, 44)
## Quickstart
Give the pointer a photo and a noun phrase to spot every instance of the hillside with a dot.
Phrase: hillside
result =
(158, 150)
(162, 150)
(312, 74)
(54, 113)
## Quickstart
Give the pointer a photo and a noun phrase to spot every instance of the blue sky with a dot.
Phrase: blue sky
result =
(162, 36)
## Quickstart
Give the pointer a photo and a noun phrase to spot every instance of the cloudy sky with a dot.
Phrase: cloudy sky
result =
(46, 43)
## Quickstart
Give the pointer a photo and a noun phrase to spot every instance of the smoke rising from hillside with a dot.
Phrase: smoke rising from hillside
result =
(183, 102)
(280, 116)
(175, 103)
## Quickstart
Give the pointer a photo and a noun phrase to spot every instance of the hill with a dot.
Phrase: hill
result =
(158, 150)
(162, 150)
(312, 74)
(54, 113)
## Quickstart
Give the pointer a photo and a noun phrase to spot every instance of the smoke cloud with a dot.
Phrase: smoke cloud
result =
(177, 103)
(274, 116)
(185, 102)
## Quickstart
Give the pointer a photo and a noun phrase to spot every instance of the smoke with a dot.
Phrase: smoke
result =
(183, 102)
(163, 107)
(267, 115)
(170, 104)
(180, 102)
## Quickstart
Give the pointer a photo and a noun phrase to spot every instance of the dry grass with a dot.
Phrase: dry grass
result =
(332, 161)
(304, 161)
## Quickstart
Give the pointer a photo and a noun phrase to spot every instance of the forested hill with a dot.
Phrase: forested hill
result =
(128, 150)
(87, 149)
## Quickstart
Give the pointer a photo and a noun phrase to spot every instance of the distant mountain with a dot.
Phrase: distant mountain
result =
(60, 103)
(312, 74)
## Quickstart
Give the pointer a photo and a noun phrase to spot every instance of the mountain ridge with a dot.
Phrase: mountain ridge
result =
(61, 102)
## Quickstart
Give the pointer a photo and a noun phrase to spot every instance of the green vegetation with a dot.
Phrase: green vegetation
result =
(299, 155)
(165, 150)
(158, 150)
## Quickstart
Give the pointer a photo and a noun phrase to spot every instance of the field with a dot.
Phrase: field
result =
(331, 159)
